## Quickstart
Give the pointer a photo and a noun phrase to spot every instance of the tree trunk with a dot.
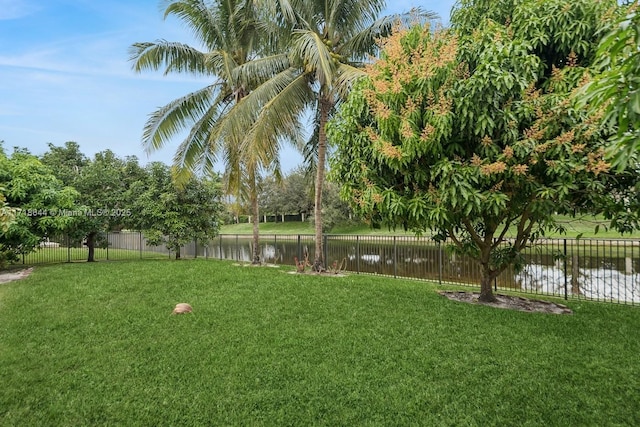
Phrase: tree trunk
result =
(91, 244)
(325, 108)
(255, 210)
(486, 284)
(178, 252)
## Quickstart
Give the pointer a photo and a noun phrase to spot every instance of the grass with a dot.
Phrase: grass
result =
(584, 226)
(61, 254)
(94, 344)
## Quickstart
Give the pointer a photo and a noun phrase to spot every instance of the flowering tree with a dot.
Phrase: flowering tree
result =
(473, 132)
(617, 87)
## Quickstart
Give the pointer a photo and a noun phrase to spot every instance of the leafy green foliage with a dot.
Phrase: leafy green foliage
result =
(7, 213)
(617, 87)
(32, 199)
(103, 184)
(475, 130)
(176, 215)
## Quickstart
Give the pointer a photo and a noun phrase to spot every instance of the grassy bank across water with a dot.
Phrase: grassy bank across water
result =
(582, 226)
(95, 344)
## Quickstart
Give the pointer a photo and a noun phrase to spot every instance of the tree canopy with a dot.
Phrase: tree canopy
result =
(176, 215)
(475, 133)
(616, 87)
(32, 199)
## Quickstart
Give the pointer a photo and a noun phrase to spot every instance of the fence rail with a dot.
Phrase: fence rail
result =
(593, 269)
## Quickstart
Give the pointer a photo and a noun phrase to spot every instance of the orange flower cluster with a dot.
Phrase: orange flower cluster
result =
(577, 148)
(381, 110)
(427, 132)
(541, 148)
(493, 168)
(373, 136)
(508, 152)
(556, 74)
(389, 150)
(531, 93)
(566, 138)
(376, 198)
(476, 160)
(596, 163)
(410, 106)
(444, 103)
(572, 59)
(534, 132)
(486, 141)
(380, 86)
(406, 130)
(519, 169)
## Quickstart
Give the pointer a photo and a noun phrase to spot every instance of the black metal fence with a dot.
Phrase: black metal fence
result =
(593, 269)
(111, 247)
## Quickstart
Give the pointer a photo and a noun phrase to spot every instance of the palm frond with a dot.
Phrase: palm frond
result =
(199, 18)
(222, 64)
(279, 119)
(173, 118)
(197, 153)
(345, 18)
(175, 57)
(315, 55)
(346, 76)
(255, 72)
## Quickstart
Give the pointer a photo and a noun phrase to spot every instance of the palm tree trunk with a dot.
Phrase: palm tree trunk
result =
(325, 107)
(255, 210)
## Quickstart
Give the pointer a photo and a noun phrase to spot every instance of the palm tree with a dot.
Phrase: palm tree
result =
(331, 41)
(234, 34)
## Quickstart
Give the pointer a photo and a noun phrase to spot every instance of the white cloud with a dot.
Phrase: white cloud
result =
(14, 9)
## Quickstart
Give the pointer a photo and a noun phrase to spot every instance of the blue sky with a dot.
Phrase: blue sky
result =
(65, 75)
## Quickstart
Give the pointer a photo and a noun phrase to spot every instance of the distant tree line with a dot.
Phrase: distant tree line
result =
(65, 192)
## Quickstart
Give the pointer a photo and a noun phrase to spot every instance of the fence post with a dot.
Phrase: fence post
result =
(358, 254)
(220, 247)
(439, 262)
(140, 239)
(107, 246)
(565, 269)
(395, 258)
(68, 249)
(325, 250)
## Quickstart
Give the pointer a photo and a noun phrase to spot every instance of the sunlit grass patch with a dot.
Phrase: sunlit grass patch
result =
(87, 344)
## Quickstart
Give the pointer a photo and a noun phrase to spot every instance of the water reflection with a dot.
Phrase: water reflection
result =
(587, 273)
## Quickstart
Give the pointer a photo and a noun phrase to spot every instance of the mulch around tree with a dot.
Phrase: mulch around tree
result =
(510, 302)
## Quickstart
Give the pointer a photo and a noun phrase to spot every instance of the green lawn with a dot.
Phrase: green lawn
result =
(585, 226)
(62, 254)
(95, 344)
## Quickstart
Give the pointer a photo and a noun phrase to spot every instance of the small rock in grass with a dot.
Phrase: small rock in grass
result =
(182, 308)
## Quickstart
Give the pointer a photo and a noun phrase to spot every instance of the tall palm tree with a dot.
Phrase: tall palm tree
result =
(331, 41)
(234, 34)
